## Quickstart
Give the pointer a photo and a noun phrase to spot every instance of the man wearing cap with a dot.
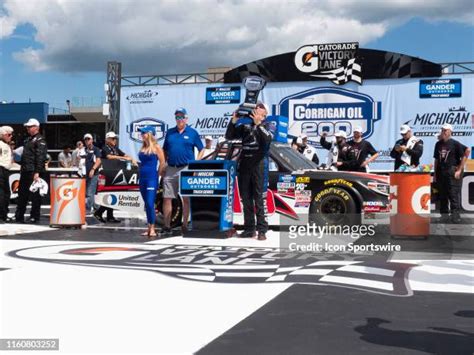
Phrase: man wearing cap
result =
(362, 150)
(179, 145)
(33, 160)
(301, 145)
(342, 155)
(112, 152)
(253, 169)
(407, 150)
(450, 157)
(91, 155)
(208, 148)
(6, 161)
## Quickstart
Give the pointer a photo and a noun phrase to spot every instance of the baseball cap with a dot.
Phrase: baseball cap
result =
(447, 126)
(32, 122)
(261, 104)
(148, 129)
(208, 138)
(358, 129)
(340, 134)
(88, 135)
(110, 135)
(181, 110)
(404, 128)
(303, 136)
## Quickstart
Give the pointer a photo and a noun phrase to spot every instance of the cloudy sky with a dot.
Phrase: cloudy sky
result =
(51, 50)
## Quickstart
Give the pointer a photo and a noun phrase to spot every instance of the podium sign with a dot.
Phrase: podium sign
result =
(204, 183)
(210, 186)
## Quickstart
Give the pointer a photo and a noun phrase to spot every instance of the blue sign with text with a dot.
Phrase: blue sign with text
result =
(440, 88)
(223, 95)
(204, 182)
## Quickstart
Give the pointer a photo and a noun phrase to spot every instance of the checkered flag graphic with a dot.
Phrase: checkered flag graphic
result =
(351, 72)
(380, 277)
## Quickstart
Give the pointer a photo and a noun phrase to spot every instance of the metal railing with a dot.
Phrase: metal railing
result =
(457, 68)
(93, 101)
(57, 111)
(149, 80)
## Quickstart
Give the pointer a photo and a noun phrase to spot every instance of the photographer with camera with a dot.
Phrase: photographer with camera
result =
(253, 167)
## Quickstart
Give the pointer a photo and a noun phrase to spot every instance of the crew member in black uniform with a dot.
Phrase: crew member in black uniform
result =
(407, 150)
(33, 161)
(343, 158)
(362, 150)
(111, 151)
(450, 157)
(252, 170)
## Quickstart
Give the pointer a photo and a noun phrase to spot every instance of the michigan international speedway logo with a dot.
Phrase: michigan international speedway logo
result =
(133, 129)
(222, 264)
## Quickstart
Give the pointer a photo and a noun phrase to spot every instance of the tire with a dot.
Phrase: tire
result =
(176, 212)
(334, 206)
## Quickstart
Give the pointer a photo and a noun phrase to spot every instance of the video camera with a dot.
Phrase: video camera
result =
(253, 84)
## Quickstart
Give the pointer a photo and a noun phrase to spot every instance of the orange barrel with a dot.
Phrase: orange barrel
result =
(68, 201)
(410, 195)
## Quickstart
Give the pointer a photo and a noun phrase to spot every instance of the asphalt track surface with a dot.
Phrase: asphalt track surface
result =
(429, 309)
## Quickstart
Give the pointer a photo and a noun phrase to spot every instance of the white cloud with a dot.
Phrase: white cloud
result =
(32, 58)
(191, 35)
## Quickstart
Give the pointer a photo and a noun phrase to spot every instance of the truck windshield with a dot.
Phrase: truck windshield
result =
(281, 152)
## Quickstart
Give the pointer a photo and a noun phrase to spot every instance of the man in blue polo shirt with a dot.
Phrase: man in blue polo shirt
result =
(179, 145)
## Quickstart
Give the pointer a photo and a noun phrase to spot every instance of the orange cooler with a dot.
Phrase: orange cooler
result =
(410, 204)
(68, 201)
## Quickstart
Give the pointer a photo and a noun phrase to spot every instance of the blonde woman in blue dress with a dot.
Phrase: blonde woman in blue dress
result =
(149, 171)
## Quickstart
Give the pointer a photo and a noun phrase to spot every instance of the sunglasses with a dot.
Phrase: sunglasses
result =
(179, 118)
(87, 139)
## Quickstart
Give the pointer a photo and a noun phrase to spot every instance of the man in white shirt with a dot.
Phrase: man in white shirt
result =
(65, 158)
(6, 160)
(208, 147)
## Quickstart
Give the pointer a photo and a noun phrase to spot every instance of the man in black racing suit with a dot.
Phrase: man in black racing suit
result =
(252, 169)
(33, 161)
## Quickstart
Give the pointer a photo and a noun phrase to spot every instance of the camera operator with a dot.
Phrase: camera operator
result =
(252, 169)
(343, 155)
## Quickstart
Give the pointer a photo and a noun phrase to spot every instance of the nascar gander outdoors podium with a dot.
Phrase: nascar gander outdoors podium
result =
(210, 186)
